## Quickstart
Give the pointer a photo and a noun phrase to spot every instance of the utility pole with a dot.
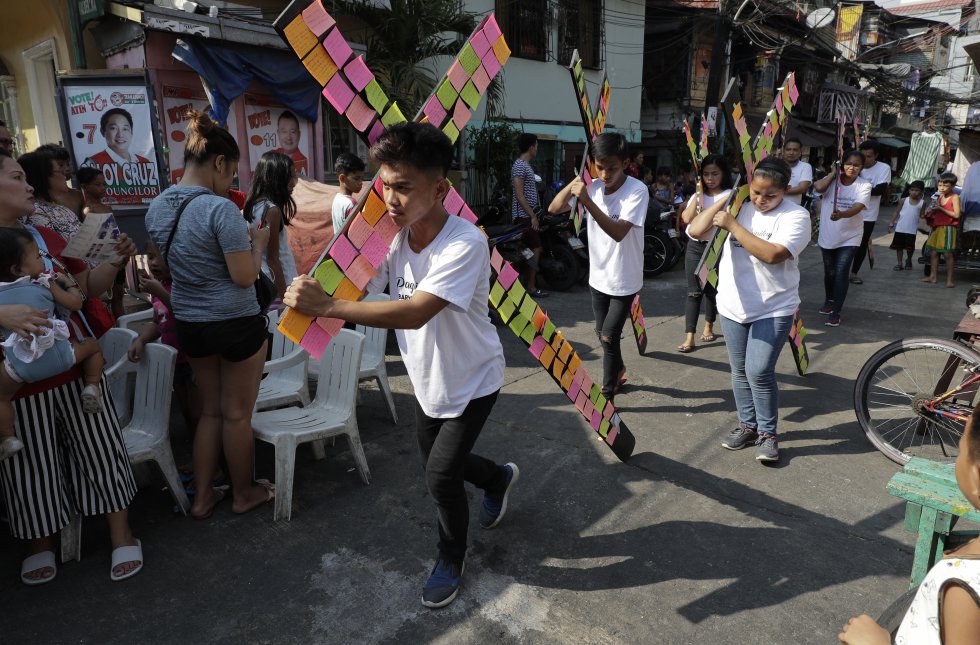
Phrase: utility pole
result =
(719, 50)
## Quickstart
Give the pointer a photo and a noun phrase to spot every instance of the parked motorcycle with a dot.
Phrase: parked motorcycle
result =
(662, 246)
(564, 258)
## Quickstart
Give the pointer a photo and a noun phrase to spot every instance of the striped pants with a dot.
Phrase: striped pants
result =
(72, 463)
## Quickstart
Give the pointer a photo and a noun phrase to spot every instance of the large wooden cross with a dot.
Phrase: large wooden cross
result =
(355, 254)
(752, 152)
(594, 121)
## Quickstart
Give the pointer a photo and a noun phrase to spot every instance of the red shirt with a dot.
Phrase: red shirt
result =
(942, 218)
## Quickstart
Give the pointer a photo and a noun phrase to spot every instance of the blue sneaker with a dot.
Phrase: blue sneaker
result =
(494, 507)
(443, 584)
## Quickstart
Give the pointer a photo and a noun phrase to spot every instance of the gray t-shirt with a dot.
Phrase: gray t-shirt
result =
(210, 227)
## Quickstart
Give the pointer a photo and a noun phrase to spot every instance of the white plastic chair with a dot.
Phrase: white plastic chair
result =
(373, 358)
(286, 380)
(331, 413)
(135, 320)
(147, 435)
(115, 346)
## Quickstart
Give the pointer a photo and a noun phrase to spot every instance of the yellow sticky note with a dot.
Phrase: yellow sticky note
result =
(501, 50)
(320, 65)
(300, 37)
(347, 291)
(293, 325)
(374, 208)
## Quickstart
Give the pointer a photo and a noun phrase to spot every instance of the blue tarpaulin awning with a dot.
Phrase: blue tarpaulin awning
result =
(227, 69)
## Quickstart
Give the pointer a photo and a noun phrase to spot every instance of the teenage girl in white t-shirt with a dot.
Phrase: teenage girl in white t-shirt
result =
(716, 184)
(758, 293)
(945, 610)
(841, 229)
(617, 206)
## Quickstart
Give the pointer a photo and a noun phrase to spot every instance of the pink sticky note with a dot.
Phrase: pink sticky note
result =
(507, 276)
(331, 325)
(337, 47)
(376, 132)
(468, 214)
(435, 112)
(608, 411)
(537, 346)
(573, 390)
(360, 114)
(794, 94)
(491, 29)
(343, 252)
(453, 203)
(480, 44)
(596, 419)
(338, 93)
(480, 79)
(579, 376)
(378, 186)
(457, 76)
(587, 384)
(611, 437)
(375, 250)
(461, 115)
(580, 401)
(491, 64)
(315, 341)
(359, 231)
(358, 73)
(317, 18)
(386, 229)
(496, 260)
(360, 272)
(588, 410)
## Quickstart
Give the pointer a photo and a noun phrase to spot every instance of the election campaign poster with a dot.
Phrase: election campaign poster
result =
(271, 126)
(110, 125)
(177, 103)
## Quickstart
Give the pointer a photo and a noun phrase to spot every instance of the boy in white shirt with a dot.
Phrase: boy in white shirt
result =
(350, 176)
(438, 272)
(905, 224)
(617, 206)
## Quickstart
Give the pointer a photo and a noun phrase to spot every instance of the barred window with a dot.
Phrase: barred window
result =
(525, 26)
(580, 27)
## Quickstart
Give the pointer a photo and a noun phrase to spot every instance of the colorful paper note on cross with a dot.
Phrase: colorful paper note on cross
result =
(639, 325)
(352, 259)
(797, 344)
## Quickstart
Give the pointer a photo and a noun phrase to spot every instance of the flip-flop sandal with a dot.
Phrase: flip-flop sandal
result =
(35, 562)
(270, 489)
(124, 554)
(856, 281)
(220, 493)
(709, 338)
(686, 349)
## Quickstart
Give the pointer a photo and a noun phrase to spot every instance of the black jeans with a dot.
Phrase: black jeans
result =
(862, 250)
(835, 277)
(445, 446)
(694, 293)
(611, 313)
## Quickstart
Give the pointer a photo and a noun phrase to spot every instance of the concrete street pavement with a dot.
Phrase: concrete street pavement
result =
(687, 543)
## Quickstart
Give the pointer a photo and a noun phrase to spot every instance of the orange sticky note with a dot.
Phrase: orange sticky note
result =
(347, 291)
(574, 363)
(300, 37)
(293, 325)
(374, 208)
(501, 50)
(320, 65)
(566, 379)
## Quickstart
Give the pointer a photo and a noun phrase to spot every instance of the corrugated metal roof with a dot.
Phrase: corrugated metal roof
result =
(926, 7)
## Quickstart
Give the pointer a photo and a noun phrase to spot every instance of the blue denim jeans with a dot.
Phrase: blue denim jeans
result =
(752, 350)
(836, 279)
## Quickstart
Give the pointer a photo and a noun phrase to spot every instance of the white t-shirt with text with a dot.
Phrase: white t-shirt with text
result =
(456, 356)
(616, 268)
(706, 201)
(846, 231)
(801, 172)
(880, 173)
(748, 288)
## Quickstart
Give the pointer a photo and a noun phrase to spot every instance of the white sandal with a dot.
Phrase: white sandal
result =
(35, 562)
(124, 554)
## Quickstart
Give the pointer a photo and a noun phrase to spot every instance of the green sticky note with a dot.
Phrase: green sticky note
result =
(468, 59)
(549, 330)
(471, 95)
(506, 310)
(496, 294)
(529, 333)
(376, 96)
(600, 403)
(528, 307)
(451, 131)
(447, 94)
(518, 324)
(329, 275)
(604, 429)
(594, 394)
(516, 293)
(393, 116)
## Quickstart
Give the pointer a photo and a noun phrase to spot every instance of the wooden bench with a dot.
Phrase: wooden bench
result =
(933, 506)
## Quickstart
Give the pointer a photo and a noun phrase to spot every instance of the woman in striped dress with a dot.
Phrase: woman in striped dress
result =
(72, 462)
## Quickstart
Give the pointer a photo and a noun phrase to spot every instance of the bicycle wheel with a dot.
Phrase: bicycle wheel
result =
(895, 389)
